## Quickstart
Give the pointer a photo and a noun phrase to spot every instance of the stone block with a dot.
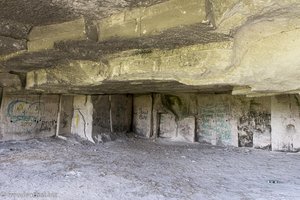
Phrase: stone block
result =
(10, 45)
(152, 20)
(186, 129)
(170, 14)
(101, 114)
(285, 122)
(44, 37)
(121, 113)
(167, 126)
(124, 25)
(9, 28)
(142, 116)
(82, 122)
(11, 81)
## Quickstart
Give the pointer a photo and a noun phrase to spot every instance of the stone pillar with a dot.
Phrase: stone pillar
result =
(66, 115)
(82, 122)
(186, 129)
(96, 117)
(285, 120)
(142, 116)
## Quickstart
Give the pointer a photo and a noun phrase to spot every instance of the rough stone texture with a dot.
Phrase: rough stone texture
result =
(152, 20)
(176, 114)
(44, 12)
(44, 37)
(266, 52)
(255, 125)
(263, 45)
(173, 116)
(112, 114)
(154, 66)
(186, 129)
(285, 123)
(66, 114)
(97, 117)
(142, 115)
(24, 61)
(10, 45)
(82, 121)
(125, 24)
(91, 50)
(167, 126)
(171, 14)
(9, 28)
(101, 117)
(229, 15)
(121, 113)
(28, 116)
(176, 46)
(217, 121)
(10, 81)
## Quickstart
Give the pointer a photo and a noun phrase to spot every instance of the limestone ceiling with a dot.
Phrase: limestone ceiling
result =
(98, 46)
(43, 12)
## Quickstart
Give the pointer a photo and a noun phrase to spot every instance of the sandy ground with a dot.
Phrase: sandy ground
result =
(140, 169)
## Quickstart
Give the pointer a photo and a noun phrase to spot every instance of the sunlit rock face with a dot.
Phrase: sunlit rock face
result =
(131, 46)
(267, 51)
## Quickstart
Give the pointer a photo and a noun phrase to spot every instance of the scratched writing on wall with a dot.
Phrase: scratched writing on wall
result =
(214, 123)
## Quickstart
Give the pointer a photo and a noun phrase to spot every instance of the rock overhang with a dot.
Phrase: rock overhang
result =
(200, 43)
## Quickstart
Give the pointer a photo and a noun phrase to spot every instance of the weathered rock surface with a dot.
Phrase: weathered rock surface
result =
(203, 45)
(10, 81)
(11, 45)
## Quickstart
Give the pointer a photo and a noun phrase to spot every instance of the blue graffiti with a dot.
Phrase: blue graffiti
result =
(23, 111)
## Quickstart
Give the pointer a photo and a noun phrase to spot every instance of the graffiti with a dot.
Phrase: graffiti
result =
(252, 123)
(47, 125)
(142, 114)
(23, 111)
(214, 123)
(28, 116)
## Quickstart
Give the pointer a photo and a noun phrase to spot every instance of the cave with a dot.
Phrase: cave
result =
(217, 74)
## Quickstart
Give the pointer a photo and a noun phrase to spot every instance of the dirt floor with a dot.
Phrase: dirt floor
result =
(131, 168)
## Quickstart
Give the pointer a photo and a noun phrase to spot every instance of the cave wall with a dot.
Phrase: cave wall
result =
(216, 119)
(97, 117)
(121, 113)
(82, 121)
(286, 123)
(28, 116)
(142, 115)
(101, 115)
(254, 127)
